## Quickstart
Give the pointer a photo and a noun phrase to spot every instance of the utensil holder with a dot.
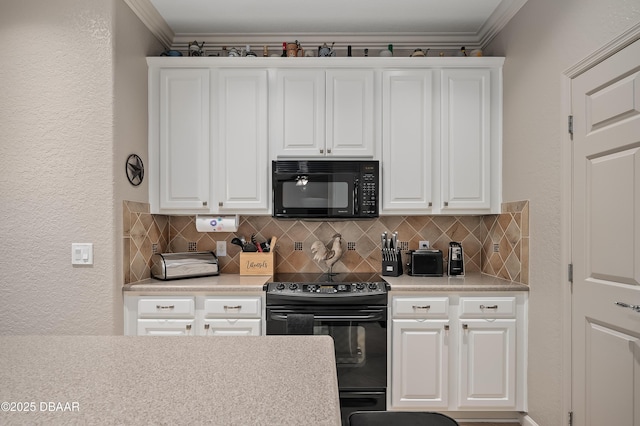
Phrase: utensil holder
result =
(393, 266)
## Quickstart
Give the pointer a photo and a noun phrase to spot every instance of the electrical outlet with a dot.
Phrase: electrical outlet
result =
(221, 248)
(423, 245)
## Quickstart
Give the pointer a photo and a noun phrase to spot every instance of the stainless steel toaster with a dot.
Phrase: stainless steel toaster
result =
(171, 266)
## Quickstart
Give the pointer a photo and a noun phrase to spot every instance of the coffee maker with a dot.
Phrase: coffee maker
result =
(456, 259)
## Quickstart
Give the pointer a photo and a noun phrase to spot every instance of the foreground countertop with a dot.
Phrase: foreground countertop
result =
(473, 281)
(168, 380)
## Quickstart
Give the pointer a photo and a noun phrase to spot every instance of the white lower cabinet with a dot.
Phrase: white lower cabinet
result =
(231, 316)
(193, 315)
(458, 353)
(487, 363)
(420, 369)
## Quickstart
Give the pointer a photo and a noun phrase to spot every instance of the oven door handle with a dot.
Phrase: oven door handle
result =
(370, 317)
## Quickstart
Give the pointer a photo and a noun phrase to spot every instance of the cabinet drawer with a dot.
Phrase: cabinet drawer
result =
(232, 307)
(169, 307)
(490, 307)
(420, 307)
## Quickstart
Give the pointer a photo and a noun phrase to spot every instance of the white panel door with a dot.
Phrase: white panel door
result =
(487, 363)
(298, 121)
(419, 366)
(466, 139)
(408, 134)
(240, 146)
(349, 114)
(183, 145)
(606, 242)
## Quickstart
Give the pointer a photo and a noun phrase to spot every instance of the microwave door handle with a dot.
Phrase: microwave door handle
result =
(356, 197)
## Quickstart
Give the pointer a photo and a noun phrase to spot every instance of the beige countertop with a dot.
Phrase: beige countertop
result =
(218, 283)
(253, 283)
(469, 282)
(168, 380)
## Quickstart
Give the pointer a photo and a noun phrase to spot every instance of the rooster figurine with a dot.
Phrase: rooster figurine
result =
(326, 255)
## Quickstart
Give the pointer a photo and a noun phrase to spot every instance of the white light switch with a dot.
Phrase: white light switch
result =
(82, 253)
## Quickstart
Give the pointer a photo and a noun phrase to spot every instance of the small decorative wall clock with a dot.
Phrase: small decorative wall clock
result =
(135, 170)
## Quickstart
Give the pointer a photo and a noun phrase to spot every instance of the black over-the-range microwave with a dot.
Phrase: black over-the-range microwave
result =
(331, 189)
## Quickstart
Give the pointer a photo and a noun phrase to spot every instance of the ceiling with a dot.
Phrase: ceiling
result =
(410, 23)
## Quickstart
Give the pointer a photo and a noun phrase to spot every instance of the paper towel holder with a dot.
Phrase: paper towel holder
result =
(209, 223)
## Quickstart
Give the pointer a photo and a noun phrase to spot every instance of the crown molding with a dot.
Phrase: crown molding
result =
(150, 17)
(152, 20)
(498, 20)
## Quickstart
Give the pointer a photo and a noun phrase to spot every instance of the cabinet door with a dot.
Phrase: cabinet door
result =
(240, 140)
(419, 365)
(466, 143)
(408, 133)
(298, 121)
(488, 363)
(349, 113)
(232, 327)
(166, 327)
(179, 142)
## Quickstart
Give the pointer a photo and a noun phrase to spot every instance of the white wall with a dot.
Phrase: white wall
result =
(544, 39)
(59, 180)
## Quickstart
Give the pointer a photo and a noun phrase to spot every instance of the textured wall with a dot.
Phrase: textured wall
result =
(545, 38)
(56, 174)
(133, 43)
(59, 179)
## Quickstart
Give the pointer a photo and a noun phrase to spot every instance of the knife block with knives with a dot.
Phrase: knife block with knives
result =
(391, 255)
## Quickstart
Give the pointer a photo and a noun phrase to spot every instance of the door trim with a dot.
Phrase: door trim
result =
(623, 40)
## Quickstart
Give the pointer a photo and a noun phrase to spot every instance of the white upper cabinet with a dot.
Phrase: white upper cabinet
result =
(240, 140)
(470, 142)
(349, 113)
(435, 124)
(408, 135)
(297, 122)
(318, 113)
(179, 141)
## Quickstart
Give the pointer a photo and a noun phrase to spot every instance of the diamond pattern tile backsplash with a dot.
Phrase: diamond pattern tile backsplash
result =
(496, 245)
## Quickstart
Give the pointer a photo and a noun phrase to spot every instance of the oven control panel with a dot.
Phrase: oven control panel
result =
(338, 289)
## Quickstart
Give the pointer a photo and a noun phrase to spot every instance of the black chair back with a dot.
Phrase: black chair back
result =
(399, 418)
